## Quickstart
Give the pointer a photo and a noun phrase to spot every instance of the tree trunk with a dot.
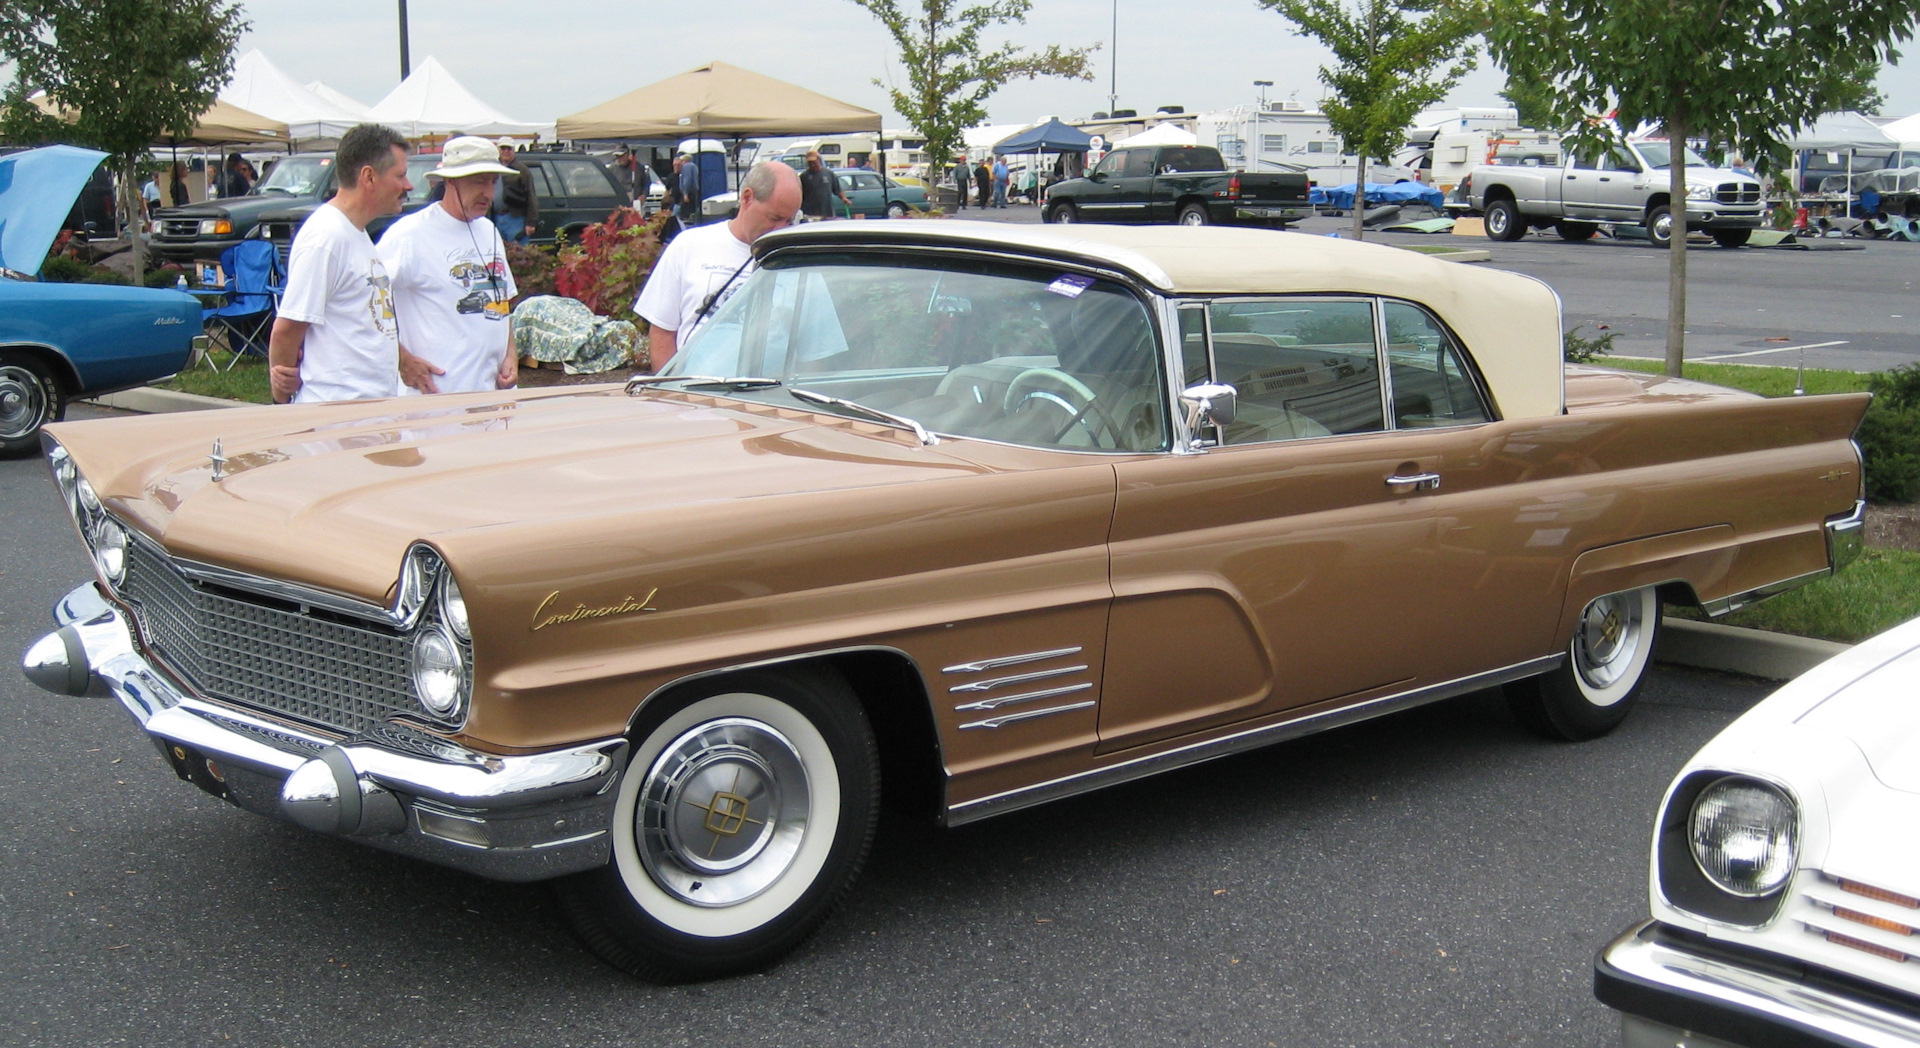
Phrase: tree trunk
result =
(130, 202)
(1677, 246)
(1360, 201)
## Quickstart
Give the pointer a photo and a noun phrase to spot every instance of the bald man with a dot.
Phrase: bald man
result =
(703, 266)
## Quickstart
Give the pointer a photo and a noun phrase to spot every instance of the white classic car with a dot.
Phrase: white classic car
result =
(1786, 872)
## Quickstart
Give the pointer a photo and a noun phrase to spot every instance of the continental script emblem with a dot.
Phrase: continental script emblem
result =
(545, 615)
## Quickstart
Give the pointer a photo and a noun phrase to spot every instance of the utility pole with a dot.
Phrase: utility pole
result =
(406, 63)
(1113, 67)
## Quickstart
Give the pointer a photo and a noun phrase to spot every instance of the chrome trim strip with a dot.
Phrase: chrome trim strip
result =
(1018, 678)
(1800, 1012)
(1845, 535)
(1009, 718)
(1010, 660)
(1723, 605)
(1252, 738)
(1008, 700)
(265, 587)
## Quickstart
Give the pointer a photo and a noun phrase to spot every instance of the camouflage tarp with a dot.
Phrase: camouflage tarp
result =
(562, 330)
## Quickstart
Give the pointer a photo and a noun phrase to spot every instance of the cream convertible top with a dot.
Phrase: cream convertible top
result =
(1510, 323)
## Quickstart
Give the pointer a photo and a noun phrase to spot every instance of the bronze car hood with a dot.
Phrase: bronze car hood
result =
(332, 495)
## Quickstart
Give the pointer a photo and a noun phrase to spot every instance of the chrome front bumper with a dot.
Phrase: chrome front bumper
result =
(516, 818)
(1675, 994)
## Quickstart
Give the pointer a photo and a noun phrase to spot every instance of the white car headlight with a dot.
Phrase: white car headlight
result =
(453, 607)
(110, 549)
(1743, 835)
(89, 501)
(1700, 192)
(439, 673)
(65, 474)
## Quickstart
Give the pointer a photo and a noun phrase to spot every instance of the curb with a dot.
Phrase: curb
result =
(151, 400)
(1733, 649)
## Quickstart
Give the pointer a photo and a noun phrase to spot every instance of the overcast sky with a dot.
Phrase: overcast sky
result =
(541, 59)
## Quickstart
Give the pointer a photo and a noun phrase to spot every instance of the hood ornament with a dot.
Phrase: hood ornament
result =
(219, 461)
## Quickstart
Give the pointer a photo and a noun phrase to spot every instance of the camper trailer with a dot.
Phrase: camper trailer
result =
(1286, 135)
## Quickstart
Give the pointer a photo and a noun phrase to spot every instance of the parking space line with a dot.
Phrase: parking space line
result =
(1764, 352)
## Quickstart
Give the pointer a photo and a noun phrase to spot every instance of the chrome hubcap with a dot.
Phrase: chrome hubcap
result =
(1608, 639)
(22, 402)
(722, 812)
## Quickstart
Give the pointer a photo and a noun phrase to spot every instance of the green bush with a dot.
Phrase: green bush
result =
(103, 275)
(1579, 349)
(1890, 436)
(166, 276)
(64, 269)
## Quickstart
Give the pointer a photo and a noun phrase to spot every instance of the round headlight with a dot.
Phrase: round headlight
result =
(110, 549)
(438, 673)
(64, 473)
(453, 607)
(88, 500)
(1743, 835)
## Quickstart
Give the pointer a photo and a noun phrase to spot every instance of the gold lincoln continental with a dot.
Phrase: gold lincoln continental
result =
(969, 516)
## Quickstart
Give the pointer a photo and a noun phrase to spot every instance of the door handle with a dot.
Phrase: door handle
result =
(1402, 483)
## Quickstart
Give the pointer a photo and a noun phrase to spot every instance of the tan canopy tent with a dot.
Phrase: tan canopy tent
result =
(717, 99)
(223, 124)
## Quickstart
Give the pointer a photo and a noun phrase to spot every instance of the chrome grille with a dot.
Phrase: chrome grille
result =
(186, 228)
(333, 672)
(1737, 193)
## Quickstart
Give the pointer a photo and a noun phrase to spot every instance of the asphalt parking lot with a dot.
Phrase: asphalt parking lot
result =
(1854, 310)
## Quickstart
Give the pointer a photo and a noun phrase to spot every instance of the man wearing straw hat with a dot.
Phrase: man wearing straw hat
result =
(452, 288)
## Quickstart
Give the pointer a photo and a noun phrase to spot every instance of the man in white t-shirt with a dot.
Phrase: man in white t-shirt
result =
(451, 285)
(336, 337)
(702, 267)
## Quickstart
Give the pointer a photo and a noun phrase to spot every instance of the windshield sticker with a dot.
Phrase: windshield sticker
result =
(1070, 285)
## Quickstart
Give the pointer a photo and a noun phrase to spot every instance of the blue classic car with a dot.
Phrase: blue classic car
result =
(60, 341)
(864, 192)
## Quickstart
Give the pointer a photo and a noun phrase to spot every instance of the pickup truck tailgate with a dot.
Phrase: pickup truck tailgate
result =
(1288, 188)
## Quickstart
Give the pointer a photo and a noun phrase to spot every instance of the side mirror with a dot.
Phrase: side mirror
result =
(1210, 404)
(1097, 176)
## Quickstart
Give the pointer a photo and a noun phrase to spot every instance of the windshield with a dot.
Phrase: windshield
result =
(1040, 357)
(417, 168)
(1658, 154)
(296, 176)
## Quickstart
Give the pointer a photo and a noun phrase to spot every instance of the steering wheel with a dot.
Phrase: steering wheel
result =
(1055, 388)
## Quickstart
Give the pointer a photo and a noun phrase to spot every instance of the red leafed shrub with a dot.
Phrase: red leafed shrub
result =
(606, 267)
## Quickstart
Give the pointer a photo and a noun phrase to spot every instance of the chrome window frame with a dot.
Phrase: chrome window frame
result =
(1470, 370)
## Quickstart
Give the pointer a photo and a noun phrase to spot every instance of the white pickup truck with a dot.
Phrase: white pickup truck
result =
(1627, 184)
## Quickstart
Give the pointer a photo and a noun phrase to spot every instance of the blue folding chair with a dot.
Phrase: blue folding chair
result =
(253, 288)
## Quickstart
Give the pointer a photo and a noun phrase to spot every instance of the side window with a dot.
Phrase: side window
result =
(583, 178)
(1195, 368)
(1586, 162)
(1620, 160)
(543, 183)
(1431, 385)
(1139, 163)
(1110, 164)
(1304, 367)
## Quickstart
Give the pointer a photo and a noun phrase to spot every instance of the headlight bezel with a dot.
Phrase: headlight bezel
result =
(422, 609)
(1782, 845)
(439, 671)
(1700, 191)
(1680, 880)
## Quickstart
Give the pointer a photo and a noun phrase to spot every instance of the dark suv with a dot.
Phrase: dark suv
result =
(576, 191)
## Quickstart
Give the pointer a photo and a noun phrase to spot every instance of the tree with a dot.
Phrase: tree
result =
(126, 72)
(949, 76)
(1527, 99)
(1745, 74)
(1396, 57)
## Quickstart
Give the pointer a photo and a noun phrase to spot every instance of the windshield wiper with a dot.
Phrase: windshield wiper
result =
(693, 381)
(927, 439)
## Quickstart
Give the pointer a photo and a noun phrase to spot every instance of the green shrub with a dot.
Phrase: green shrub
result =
(1582, 350)
(1890, 436)
(103, 275)
(165, 276)
(64, 269)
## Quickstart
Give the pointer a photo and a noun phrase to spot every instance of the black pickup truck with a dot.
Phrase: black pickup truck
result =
(1189, 185)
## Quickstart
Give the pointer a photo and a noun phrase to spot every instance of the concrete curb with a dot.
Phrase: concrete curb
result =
(1464, 255)
(151, 400)
(1732, 649)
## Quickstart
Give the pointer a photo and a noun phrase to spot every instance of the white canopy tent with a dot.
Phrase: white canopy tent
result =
(1165, 134)
(261, 87)
(431, 102)
(322, 91)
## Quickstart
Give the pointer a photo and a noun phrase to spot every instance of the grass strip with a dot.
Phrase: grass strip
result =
(246, 382)
(1878, 591)
(1766, 381)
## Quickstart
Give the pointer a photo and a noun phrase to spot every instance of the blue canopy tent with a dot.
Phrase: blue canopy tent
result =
(1050, 137)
